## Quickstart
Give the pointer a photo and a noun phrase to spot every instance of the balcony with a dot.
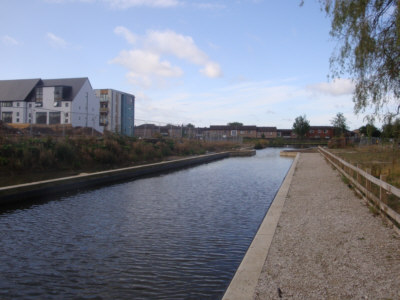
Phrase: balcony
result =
(104, 109)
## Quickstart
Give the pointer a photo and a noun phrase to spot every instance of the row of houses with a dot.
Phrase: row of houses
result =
(70, 101)
(220, 132)
(73, 101)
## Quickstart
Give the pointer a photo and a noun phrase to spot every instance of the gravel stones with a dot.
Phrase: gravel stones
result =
(327, 244)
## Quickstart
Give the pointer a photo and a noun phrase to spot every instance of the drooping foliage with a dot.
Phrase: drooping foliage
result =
(368, 50)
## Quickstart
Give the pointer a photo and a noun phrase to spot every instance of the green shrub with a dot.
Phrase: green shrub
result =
(65, 153)
(104, 156)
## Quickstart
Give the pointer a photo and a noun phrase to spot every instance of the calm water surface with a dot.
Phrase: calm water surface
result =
(175, 236)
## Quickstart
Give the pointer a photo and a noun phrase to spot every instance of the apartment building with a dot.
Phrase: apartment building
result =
(117, 111)
(49, 101)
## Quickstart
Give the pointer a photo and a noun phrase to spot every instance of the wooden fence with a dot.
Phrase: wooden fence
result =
(375, 190)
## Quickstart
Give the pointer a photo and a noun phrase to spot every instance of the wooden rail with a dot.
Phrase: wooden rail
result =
(363, 181)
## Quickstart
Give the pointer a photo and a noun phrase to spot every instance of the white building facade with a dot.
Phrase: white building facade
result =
(49, 102)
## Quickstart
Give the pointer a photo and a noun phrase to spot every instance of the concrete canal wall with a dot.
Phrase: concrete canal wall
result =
(22, 192)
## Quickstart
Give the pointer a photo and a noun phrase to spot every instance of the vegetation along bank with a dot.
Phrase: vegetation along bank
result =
(26, 159)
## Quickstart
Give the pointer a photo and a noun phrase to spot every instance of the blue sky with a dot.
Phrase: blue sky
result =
(259, 62)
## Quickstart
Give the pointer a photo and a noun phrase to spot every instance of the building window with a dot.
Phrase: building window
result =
(104, 95)
(311, 131)
(41, 118)
(17, 120)
(58, 93)
(17, 113)
(39, 96)
(6, 117)
(66, 121)
(103, 120)
(30, 104)
(66, 114)
(66, 104)
(18, 104)
(6, 104)
(55, 117)
(30, 115)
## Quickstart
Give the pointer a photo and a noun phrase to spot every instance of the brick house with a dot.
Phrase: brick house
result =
(267, 132)
(286, 133)
(152, 131)
(225, 131)
(321, 132)
(146, 130)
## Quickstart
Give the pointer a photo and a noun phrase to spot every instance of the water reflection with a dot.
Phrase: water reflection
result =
(179, 235)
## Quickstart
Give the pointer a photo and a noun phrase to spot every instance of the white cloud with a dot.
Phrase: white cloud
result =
(129, 36)
(142, 65)
(212, 70)
(181, 46)
(56, 41)
(9, 41)
(337, 87)
(146, 63)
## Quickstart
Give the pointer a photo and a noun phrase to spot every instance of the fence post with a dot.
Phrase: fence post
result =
(358, 173)
(367, 182)
(382, 191)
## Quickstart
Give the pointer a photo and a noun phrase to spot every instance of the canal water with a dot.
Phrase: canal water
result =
(179, 235)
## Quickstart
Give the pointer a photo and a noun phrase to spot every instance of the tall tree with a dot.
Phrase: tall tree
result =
(339, 124)
(369, 50)
(301, 126)
(391, 129)
(370, 130)
(235, 124)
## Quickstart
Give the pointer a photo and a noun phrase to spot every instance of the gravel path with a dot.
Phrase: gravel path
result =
(327, 244)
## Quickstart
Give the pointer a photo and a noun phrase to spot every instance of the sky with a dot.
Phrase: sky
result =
(206, 62)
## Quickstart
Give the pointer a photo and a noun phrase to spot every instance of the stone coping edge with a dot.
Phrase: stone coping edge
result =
(245, 280)
(22, 192)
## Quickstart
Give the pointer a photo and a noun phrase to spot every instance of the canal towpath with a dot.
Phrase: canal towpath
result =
(327, 243)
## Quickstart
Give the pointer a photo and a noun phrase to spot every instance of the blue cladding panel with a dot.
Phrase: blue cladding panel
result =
(127, 114)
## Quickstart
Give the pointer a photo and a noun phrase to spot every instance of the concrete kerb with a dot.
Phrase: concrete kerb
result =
(246, 277)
